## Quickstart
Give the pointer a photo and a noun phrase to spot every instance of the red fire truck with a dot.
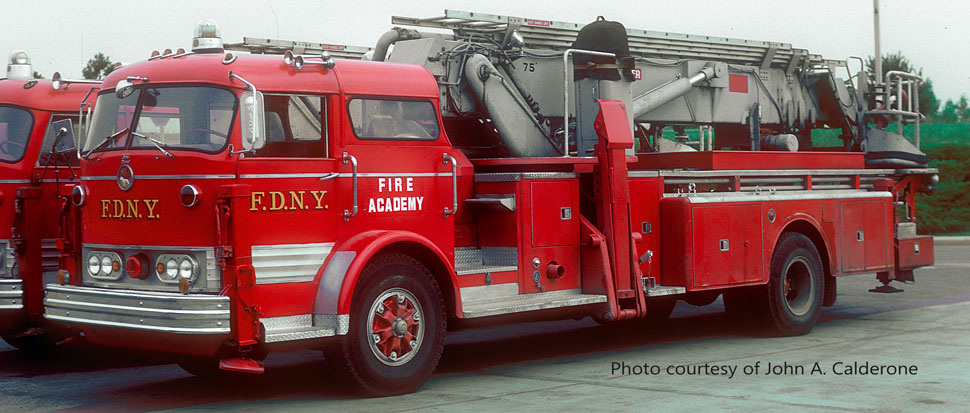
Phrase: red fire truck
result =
(235, 204)
(38, 158)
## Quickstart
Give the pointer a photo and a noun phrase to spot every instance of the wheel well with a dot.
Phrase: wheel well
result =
(433, 263)
(807, 229)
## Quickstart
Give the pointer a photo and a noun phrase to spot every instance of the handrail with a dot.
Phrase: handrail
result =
(446, 159)
(910, 103)
(353, 162)
(565, 80)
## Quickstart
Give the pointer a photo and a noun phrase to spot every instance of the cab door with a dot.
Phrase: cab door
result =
(292, 180)
(56, 164)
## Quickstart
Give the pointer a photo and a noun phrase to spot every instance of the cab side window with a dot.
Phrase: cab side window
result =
(70, 157)
(296, 126)
(393, 119)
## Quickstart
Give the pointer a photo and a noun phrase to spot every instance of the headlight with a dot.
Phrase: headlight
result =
(186, 269)
(171, 269)
(105, 265)
(94, 265)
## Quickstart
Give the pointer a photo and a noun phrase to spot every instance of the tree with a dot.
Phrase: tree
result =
(949, 113)
(963, 109)
(37, 75)
(98, 67)
(928, 104)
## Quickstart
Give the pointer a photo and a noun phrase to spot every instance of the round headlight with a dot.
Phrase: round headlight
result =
(171, 269)
(78, 195)
(94, 265)
(185, 269)
(106, 265)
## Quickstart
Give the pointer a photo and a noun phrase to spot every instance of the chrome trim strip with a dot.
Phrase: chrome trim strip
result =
(346, 175)
(718, 197)
(518, 176)
(776, 172)
(224, 330)
(12, 307)
(135, 310)
(145, 247)
(14, 181)
(132, 293)
(285, 263)
(112, 178)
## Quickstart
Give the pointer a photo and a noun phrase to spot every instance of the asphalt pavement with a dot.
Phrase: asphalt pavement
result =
(880, 352)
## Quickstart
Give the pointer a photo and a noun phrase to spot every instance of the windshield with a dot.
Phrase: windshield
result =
(193, 117)
(111, 114)
(15, 127)
(197, 118)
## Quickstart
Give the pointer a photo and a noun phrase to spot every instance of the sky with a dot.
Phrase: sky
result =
(61, 35)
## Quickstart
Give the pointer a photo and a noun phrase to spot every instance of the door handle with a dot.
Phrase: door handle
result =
(446, 159)
(353, 162)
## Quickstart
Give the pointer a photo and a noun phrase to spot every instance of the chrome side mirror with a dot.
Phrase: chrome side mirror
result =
(252, 116)
(64, 136)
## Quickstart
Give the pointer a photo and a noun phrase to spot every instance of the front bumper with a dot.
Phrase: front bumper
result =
(11, 303)
(170, 322)
(138, 310)
(11, 294)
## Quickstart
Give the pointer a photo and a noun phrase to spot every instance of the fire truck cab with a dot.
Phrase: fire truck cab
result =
(38, 160)
(232, 204)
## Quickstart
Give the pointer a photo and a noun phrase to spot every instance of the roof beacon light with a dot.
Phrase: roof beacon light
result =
(207, 37)
(18, 67)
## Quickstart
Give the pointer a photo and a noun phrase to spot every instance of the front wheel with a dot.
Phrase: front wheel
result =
(794, 292)
(397, 327)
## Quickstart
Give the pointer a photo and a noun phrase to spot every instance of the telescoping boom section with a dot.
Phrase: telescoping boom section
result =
(233, 205)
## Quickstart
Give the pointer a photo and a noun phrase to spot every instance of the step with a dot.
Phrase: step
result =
(518, 303)
(291, 328)
(502, 202)
(660, 290)
(486, 260)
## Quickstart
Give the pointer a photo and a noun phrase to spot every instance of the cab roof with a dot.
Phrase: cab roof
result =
(268, 73)
(41, 96)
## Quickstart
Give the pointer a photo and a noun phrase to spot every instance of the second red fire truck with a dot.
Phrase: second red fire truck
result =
(233, 204)
(38, 166)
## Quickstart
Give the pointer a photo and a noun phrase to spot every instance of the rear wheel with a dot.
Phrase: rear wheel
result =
(397, 328)
(794, 292)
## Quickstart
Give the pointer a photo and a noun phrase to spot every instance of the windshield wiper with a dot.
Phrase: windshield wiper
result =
(105, 142)
(158, 144)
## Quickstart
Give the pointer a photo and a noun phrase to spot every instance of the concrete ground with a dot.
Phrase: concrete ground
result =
(578, 365)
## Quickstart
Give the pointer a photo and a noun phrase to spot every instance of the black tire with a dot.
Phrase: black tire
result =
(204, 367)
(37, 343)
(793, 297)
(659, 309)
(391, 287)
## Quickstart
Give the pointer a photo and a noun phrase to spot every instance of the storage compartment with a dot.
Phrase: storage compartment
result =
(865, 241)
(727, 245)
(914, 252)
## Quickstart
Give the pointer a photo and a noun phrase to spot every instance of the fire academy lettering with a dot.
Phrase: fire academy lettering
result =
(128, 209)
(395, 203)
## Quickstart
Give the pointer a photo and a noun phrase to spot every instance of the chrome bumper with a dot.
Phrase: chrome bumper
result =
(11, 294)
(138, 310)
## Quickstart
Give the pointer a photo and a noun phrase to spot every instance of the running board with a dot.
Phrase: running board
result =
(292, 328)
(659, 290)
(500, 299)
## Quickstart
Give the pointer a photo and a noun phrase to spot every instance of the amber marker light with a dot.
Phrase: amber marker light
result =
(160, 268)
(63, 277)
(183, 285)
(115, 266)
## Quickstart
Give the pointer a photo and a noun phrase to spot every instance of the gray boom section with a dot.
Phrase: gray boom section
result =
(547, 34)
(511, 115)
